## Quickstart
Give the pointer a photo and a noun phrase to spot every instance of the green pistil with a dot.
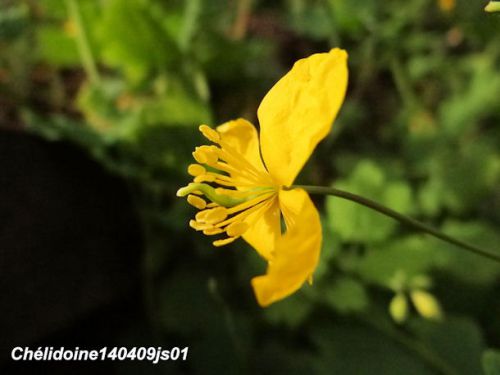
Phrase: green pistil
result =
(209, 192)
(221, 199)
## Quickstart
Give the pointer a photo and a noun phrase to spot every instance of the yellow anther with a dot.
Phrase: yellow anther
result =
(199, 226)
(196, 170)
(236, 229)
(206, 155)
(215, 215)
(209, 133)
(223, 242)
(197, 202)
(212, 231)
(205, 178)
(212, 215)
(200, 216)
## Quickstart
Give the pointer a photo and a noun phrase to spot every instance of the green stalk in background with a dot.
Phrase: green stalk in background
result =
(88, 61)
(397, 216)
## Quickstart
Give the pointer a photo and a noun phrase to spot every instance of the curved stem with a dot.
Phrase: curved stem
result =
(397, 216)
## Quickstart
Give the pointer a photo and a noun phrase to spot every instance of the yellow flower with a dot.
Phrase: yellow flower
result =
(249, 199)
(447, 5)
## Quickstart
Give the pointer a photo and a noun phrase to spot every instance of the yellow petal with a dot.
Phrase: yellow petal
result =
(299, 111)
(297, 251)
(264, 229)
(242, 136)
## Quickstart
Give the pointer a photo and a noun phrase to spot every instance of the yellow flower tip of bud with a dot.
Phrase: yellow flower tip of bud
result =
(398, 308)
(426, 305)
(196, 201)
(493, 6)
(223, 242)
(236, 229)
(196, 170)
(209, 133)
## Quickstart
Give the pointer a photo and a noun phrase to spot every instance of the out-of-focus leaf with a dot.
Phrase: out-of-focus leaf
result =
(411, 256)
(133, 40)
(354, 349)
(464, 265)
(477, 95)
(354, 222)
(460, 177)
(311, 20)
(346, 295)
(491, 362)
(58, 46)
(14, 20)
(457, 341)
(351, 17)
(291, 311)
(176, 108)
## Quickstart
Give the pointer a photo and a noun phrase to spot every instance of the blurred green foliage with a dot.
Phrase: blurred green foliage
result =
(130, 81)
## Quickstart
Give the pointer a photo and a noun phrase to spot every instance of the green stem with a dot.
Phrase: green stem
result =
(403, 85)
(88, 61)
(397, 216)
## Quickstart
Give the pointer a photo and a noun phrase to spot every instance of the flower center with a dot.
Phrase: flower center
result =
(240, 189)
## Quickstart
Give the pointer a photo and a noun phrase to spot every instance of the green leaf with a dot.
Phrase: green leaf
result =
(479, 88)
(357, 223)
(346, 295)
(458, 342)
(132, 39)
(411, 256)
(291, 311)
(463, 264)
(460, 177)
(491, 362)
(345, 348)
(178, 108)
(57, 47)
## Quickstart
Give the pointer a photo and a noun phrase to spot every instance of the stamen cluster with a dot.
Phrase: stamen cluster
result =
(239, 190)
